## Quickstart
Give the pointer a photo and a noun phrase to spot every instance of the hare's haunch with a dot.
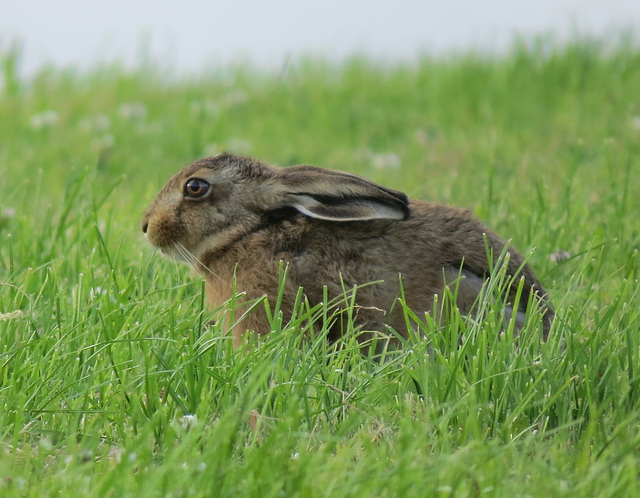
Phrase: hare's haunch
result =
(235, 217)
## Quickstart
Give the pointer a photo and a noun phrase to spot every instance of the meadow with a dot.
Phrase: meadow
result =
(114, 383)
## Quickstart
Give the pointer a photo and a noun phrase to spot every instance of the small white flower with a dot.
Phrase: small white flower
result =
(362, 154)
(99, 122)
(104, 142)
(12, 315)
(44, 119)
(132, 110)
(239, 145)
(115, 454)
(86, 456)
(385, 160)
(97, 292)
(211, 150)
(559, 256)
(195, 107)
(188, 421)
(5, 215)
(235, 98)
(153, 128)
(209, 108)
(421, 136)
(45, 444)
(7, 212)
(635, 123)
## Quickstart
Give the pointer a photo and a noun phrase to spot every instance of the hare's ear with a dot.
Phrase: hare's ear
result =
(336, 196)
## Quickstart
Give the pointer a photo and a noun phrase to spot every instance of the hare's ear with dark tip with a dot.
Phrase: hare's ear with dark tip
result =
(336, 196)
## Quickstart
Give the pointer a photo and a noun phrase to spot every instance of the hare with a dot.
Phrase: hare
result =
(237, 220)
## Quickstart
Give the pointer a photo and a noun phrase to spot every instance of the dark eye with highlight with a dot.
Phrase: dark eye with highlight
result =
(196, 188)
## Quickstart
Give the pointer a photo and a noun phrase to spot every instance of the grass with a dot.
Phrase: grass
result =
(111, 383)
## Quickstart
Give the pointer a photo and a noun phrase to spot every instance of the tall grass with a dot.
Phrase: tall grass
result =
(112, 381)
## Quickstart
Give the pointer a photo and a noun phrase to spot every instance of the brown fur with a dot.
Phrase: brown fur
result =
(332, 229)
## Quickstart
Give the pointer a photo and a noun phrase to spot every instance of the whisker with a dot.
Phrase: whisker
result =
(195, 263)
(185, 255)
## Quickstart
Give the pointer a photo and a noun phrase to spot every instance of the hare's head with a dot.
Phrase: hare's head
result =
(215, 201)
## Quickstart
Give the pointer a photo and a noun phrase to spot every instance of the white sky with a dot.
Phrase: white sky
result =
(193, 35)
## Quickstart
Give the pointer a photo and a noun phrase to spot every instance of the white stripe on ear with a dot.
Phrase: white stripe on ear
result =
(356, 209)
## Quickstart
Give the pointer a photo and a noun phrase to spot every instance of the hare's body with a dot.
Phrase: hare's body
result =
(330, 230)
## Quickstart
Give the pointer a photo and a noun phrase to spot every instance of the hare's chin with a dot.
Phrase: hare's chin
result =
(173, 253)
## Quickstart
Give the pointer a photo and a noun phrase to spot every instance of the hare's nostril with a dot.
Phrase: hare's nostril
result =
(145, 226)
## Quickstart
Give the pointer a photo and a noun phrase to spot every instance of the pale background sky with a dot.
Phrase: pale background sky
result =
(195, 35)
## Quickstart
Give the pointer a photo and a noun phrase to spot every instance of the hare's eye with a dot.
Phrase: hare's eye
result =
(196, 188)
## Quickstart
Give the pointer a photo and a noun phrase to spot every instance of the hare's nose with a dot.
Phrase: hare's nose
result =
(145, 226)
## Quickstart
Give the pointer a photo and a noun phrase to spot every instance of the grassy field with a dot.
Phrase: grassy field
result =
(112, 384)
